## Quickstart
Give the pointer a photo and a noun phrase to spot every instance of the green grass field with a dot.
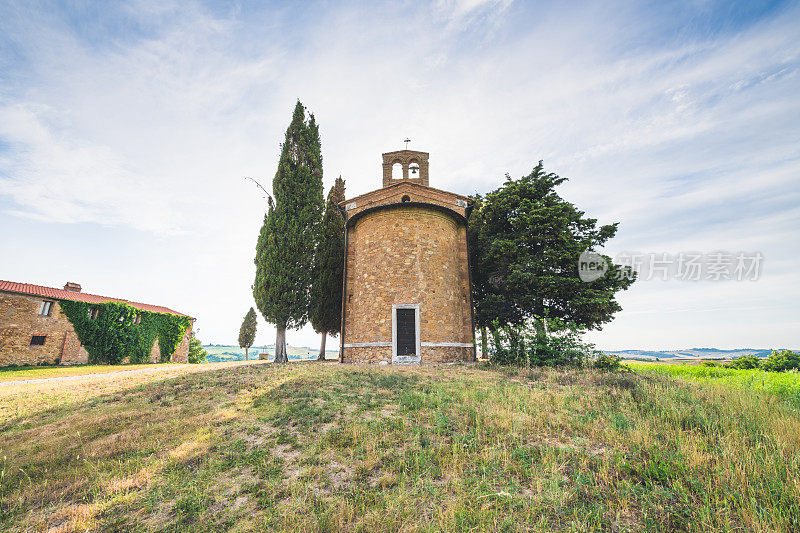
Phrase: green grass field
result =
(325, 447)
(783, 384)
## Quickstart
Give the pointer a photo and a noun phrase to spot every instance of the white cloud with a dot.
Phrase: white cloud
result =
(689, 144)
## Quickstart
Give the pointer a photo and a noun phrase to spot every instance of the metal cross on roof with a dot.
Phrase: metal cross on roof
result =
(407, 141)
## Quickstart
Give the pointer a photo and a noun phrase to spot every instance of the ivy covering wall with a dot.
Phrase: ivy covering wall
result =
(116, 333)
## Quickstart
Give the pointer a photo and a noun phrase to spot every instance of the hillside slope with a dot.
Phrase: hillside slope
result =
(324, 447)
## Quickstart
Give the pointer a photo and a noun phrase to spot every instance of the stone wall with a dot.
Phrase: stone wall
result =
(430, 354)
(407, 254)
(181, 354)
(368, 354)
(73, 353)
(155, 352)
(20, 321)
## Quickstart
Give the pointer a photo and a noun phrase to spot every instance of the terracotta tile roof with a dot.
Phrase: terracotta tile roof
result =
(50, 292)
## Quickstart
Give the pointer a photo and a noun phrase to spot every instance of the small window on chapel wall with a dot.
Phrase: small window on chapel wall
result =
(94, 312)
(405, 198)
(38, 340)
(46, 308)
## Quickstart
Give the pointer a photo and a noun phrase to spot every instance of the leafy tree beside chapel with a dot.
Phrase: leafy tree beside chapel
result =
(525, 242)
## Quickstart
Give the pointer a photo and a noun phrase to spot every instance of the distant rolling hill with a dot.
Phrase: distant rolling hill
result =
(688, 354)
(218, 353)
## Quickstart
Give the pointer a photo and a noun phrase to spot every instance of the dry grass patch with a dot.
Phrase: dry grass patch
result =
(318, 447)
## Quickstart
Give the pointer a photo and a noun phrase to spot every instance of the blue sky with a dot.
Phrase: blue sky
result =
(126, 132)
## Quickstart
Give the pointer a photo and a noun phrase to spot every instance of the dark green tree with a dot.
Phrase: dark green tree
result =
(289, 235)
(781, 361)
(326, 289)
(247, 333)
(745, 362)
(525, 242)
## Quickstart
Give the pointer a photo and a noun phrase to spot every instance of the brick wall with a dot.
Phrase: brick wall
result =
(407, 254)
(73, 352)
(20, 320)
(181, 354)
(155, 352)
(430, 354)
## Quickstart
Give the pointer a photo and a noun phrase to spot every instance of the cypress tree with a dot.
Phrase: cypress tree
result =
(288, 237)
(326, 289)
(247, 333)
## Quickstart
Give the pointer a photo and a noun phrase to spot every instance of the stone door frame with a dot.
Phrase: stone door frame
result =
(406, 359)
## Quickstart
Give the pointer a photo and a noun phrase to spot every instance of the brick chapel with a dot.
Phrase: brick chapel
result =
(406, 295)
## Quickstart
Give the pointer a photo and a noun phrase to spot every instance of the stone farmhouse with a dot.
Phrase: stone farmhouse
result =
(34, 330)
(406, 295)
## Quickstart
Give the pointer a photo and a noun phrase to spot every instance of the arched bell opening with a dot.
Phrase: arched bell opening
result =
(397, 171)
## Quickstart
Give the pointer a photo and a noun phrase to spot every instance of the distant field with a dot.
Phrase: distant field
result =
(686, 355)
(783, 384)
(324, 447)
(234, 353)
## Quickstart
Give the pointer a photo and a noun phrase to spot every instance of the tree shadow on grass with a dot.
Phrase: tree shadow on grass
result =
(114, 441)
(77, 456)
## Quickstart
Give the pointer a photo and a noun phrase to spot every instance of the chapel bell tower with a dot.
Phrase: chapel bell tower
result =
(414, 165)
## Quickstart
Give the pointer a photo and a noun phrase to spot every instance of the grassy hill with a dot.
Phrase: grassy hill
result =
(326, 447)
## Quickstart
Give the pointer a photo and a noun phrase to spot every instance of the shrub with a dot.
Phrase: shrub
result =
(781, 361)
(746, 362)
(558, 350)
(561, 347)
(709, 363)
(197, 354)
(607, 362)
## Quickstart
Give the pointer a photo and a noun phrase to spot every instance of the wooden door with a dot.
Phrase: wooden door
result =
(406, 332)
